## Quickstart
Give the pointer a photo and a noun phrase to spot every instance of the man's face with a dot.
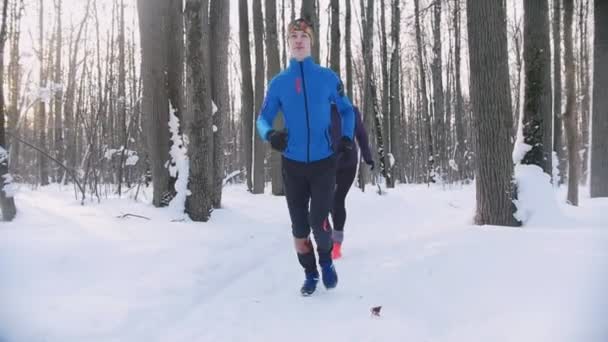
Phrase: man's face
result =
(299, 44)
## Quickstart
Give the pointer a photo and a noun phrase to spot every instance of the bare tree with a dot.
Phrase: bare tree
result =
(7, 202)
(58, 136)
(491, 102)
(438, 96)
(283, 35)
(570, 114)
(14, 78)
(334, 63)
(220, 35)
(122, 96)
(584, 84)
(155, 94)
(599, 144)
(537, 116)
(385, 115)
(309, 12)
(348, 60)
(515, 31)
(259, 148)
(558, 145)
(395, 98)
(424, 106)
(247, 116)
(199, 120)
(41, 117)
(272, 45)
(367, 43)
(70, 93)
(459, 115)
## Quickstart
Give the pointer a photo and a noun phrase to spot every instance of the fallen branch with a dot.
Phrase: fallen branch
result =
(133, 215)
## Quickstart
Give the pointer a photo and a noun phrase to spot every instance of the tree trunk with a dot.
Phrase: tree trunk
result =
(438, 98)
(122, 97)
(41, 117)
(517, 37)
(585, 81)
(334, 63)
(111, 117)
(396, 126)
(272, 44)
(220, 36)
(423, 94)
(385, 115)
(247, 116)
(537, 120)
(70, 93)
(367, 44)
(283, 35)
(309, 12)
(199, 119)
(558, 145)
(348, 52)
(155, 95)
(7, 202)
(491, 102)
(58, 136)
(348, 60)
(461, 146)
(570, 114)
(258, 145)
(175, 67)
(14, 74)
(598, 184)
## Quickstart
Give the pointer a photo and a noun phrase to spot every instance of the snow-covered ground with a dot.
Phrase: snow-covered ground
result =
(80, 273)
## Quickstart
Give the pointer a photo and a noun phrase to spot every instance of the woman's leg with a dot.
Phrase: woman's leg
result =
(344, 180)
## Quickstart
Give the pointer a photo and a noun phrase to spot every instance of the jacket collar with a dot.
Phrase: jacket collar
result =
(307, 63)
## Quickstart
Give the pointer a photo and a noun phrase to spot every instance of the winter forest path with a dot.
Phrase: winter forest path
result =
(79, 273)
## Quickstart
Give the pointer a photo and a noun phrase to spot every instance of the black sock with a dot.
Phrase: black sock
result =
(325, 256)
(308, 262)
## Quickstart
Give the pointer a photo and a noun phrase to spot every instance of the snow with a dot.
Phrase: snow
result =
(453, 165)
(182, 167)
(3, 154)
(131, 156)
(10, 188)
(536, 203)
(555, 169)
(80, 273)
(519, 150)
(110, 152)
(45, 94)
(132, 159)
(391, 160)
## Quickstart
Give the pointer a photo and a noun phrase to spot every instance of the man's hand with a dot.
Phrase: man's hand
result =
(371, 164)
(278, 140)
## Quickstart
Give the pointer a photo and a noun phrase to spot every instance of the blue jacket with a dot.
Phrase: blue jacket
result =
(304, 93)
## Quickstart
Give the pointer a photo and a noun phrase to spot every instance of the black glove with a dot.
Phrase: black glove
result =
(278, 140)
(371, 164)
(345, 144)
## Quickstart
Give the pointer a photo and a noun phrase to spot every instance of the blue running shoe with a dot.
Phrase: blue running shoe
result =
(330, 277)
(310, 284)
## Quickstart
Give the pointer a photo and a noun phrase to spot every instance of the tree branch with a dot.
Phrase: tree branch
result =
(68, 170)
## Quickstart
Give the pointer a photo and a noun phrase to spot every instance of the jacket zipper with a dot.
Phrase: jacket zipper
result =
(307, 115)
